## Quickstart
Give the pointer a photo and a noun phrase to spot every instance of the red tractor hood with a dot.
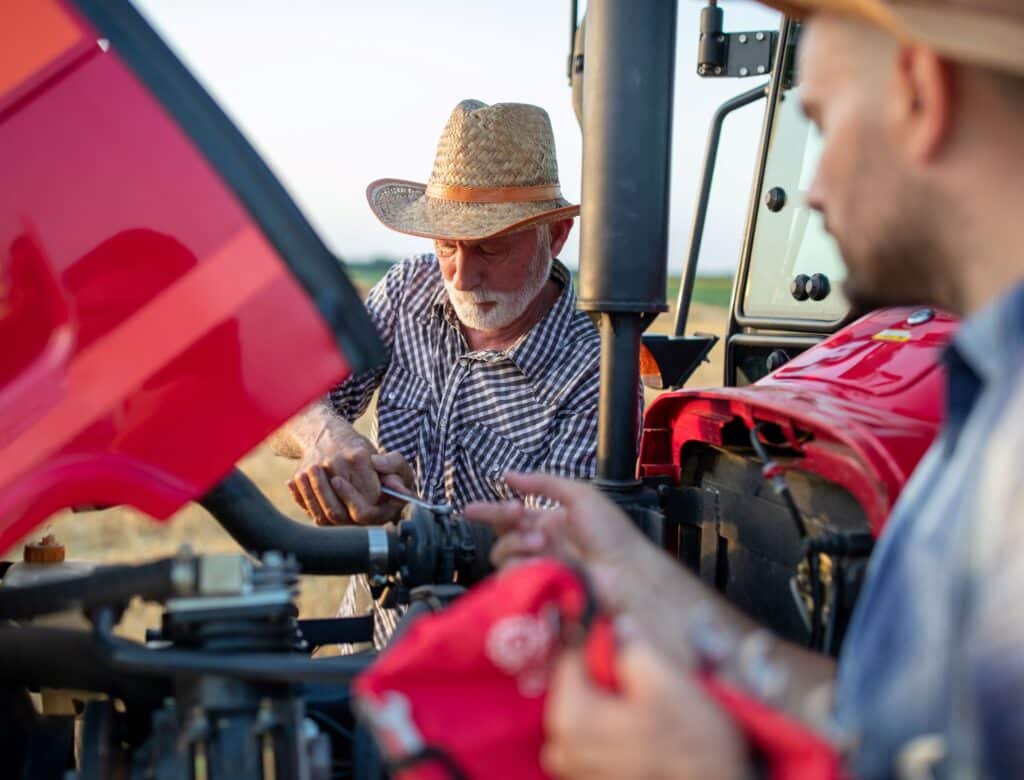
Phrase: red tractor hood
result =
(859, 409)
(157, 311)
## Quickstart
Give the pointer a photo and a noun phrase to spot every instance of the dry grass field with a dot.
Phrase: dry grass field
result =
(123, 535)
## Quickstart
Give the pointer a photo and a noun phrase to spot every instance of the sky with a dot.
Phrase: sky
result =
(337, 93)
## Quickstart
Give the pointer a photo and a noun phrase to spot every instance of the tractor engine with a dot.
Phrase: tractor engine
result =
(775, 492)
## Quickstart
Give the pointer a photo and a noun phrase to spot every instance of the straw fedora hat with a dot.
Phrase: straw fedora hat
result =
(494, 173)
(986, 33)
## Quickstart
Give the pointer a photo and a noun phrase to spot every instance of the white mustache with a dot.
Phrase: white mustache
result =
(479, 296)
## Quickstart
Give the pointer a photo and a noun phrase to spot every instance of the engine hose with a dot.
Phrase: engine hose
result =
(257, 525)
(103, 586)
(135, 659)
(38, 657)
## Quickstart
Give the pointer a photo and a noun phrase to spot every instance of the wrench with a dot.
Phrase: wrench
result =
(438, 509)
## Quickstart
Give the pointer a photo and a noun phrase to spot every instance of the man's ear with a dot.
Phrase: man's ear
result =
(925, 91)
(558, 233)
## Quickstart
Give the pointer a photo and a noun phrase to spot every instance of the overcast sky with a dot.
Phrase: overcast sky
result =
(336, 93)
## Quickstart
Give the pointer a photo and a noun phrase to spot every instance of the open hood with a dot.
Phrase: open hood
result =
(163, 303)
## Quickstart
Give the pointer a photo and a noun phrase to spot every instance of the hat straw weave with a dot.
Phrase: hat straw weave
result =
(494, 172)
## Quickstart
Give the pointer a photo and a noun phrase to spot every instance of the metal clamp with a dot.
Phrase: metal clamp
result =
(377, 543)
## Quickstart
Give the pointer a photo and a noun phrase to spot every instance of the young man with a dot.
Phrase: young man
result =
(490, 366)
(921, 110)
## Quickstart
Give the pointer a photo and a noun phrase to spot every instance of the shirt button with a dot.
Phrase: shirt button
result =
(495, 473)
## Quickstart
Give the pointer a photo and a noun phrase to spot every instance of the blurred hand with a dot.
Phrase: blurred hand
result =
(586, 528)
(658, 725)
(338, 481)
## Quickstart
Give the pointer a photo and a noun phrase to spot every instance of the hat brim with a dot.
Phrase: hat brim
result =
(405, 207)
(873, 11)
(961, 33)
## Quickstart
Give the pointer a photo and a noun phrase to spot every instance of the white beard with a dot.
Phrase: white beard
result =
(507, 306)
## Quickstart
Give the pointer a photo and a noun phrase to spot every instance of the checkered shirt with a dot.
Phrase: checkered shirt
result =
(462, 418)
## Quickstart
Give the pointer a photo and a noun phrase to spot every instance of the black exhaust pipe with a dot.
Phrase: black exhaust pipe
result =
(627, 133)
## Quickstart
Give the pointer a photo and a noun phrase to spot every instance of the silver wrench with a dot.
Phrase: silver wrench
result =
(438, 509)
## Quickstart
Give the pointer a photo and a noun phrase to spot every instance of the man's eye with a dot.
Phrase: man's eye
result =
(445, 250)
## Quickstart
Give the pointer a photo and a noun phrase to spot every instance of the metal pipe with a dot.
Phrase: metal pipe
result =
(619, 408)
(627, 133)
(573, 17)
(108, 585)
(701, 210)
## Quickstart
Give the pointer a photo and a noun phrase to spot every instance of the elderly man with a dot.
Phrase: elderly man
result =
(490, 366)
(921, 109)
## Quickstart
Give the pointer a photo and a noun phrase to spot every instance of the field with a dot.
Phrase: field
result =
(124, 535)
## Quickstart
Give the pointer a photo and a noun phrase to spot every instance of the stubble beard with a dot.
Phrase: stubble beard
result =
(903, 262)
(894, 245)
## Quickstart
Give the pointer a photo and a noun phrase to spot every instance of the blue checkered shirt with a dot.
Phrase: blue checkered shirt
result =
(933, 665)
(462, 418)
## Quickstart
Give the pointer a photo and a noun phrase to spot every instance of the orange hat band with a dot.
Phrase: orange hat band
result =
(494, 194)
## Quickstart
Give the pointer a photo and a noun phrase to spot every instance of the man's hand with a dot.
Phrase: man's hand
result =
(392, 471)
(658, 725)
(585, 528)
(340, 476)
(632, 577)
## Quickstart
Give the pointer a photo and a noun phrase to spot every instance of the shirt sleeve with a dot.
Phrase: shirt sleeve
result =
(350, 398)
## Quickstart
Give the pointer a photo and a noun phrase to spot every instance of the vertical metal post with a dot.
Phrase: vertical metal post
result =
(573, 23)
(704, 198)
(627, 132)
(618, 410)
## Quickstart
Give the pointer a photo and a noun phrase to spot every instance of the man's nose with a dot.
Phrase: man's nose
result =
(813, 198)
(468, 269)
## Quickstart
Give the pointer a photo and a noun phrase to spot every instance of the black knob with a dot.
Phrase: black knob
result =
(818, 287)
(775, 199)
(798, 287)
(777, 359)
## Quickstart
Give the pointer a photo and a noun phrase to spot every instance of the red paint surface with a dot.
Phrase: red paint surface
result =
(149, 334)
(859, 411)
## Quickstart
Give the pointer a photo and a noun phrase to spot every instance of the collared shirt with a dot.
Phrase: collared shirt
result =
(462, 418)
(933, 665)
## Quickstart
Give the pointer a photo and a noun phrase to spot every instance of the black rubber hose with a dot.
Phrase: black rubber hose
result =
(37, 657)
(102, 586)
(256, 524)
(136, 659)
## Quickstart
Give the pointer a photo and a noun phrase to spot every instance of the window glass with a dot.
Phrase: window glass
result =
(792, 240)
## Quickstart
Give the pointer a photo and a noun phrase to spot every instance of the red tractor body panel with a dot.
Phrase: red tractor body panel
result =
(859, 409)
(147, 327)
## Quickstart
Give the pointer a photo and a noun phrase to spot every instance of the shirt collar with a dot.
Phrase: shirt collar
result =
(988, 340)
(984, 351)
(533, 351)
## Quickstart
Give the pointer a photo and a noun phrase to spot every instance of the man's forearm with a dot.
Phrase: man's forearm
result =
(307, 429)
(673, 607)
